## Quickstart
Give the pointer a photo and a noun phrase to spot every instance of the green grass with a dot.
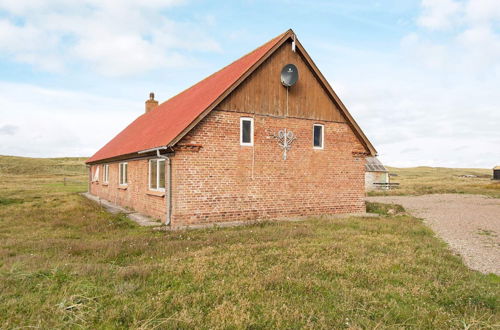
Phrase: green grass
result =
(439, 180)
(65, 263)
(384, 209)
(67, 166)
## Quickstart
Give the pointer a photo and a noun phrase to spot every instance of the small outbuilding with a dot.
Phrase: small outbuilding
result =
(496, 173)
(376, 175)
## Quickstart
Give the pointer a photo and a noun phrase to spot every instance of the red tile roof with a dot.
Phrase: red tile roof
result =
(162, 125)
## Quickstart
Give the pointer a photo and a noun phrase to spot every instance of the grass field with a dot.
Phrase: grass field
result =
(65, 263)
(432, 180)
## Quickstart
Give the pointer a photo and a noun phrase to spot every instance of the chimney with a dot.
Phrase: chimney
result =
(151, 103)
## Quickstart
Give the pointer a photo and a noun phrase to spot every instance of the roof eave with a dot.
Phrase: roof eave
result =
(357, 129)
(288, 34)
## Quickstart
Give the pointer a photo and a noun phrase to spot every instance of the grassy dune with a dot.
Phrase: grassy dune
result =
(64, 262)
(432, 180)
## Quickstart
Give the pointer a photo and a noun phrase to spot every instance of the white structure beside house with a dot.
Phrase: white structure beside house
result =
(375, 173)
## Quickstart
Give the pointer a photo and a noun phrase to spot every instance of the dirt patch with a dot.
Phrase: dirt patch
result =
(470, 224)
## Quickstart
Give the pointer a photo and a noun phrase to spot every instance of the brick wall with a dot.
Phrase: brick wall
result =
(135, 196)
(224, 181)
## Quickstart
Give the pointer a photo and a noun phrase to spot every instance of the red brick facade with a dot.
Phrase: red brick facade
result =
(224, 181)
(136, 196)
(221, 180)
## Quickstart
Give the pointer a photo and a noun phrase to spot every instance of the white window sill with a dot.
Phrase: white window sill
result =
(158, 193)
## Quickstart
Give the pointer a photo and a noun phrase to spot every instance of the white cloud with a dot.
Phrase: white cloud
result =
(446, 14)
(416, 118)
(434, 101)
(124, 54)
(482, 11)
(431, 54)
(473, 45)
(40, 122)
(28, 44)
(439, 14)
(8, 129)
(481, 48)
(113, 37)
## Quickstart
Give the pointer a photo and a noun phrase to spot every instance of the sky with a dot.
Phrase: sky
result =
(421, 78)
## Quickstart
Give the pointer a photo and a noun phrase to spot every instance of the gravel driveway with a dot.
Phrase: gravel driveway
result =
(470, 224)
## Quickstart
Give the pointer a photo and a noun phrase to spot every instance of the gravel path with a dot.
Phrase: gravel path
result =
(470, 224)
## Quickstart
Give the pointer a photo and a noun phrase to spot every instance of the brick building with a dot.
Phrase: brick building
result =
(239, 145)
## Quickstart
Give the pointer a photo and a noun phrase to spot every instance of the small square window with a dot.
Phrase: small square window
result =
(318, 136)
(246, 131)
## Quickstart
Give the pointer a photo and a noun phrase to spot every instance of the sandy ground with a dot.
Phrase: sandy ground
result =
(470, 224)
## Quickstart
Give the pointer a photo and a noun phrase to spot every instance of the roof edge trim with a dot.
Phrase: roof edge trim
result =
(285, 36)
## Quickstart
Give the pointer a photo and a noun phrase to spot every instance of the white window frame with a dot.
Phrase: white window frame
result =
(158, 162)
(105, 173)
(250, 119)
(322, 137)
(120, 165)
(95, 177)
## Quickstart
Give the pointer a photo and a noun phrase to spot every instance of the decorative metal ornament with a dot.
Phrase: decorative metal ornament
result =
(285, 139)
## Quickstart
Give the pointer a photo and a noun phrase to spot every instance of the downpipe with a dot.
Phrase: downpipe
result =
(168, 199)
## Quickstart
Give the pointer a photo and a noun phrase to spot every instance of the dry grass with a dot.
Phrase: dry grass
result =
(64, 262)
(439, 180)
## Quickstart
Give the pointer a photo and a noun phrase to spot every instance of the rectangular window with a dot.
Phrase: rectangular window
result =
(123, 169)
(105, 174)
(318, 136)
(157, 174)
(246, 131)
(95, 178)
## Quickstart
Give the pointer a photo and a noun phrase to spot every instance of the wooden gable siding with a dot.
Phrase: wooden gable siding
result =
(263, 93)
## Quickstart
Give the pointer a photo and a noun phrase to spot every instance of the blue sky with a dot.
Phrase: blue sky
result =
(420, 77)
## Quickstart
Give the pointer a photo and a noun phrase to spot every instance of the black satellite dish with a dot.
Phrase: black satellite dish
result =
(289, 75)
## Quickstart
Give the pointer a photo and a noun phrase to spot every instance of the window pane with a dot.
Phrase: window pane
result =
(121, 173)
(246, 131)
(125, 167)
(318, 136)
(96, 174)
(161, 164)
(152, 174)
